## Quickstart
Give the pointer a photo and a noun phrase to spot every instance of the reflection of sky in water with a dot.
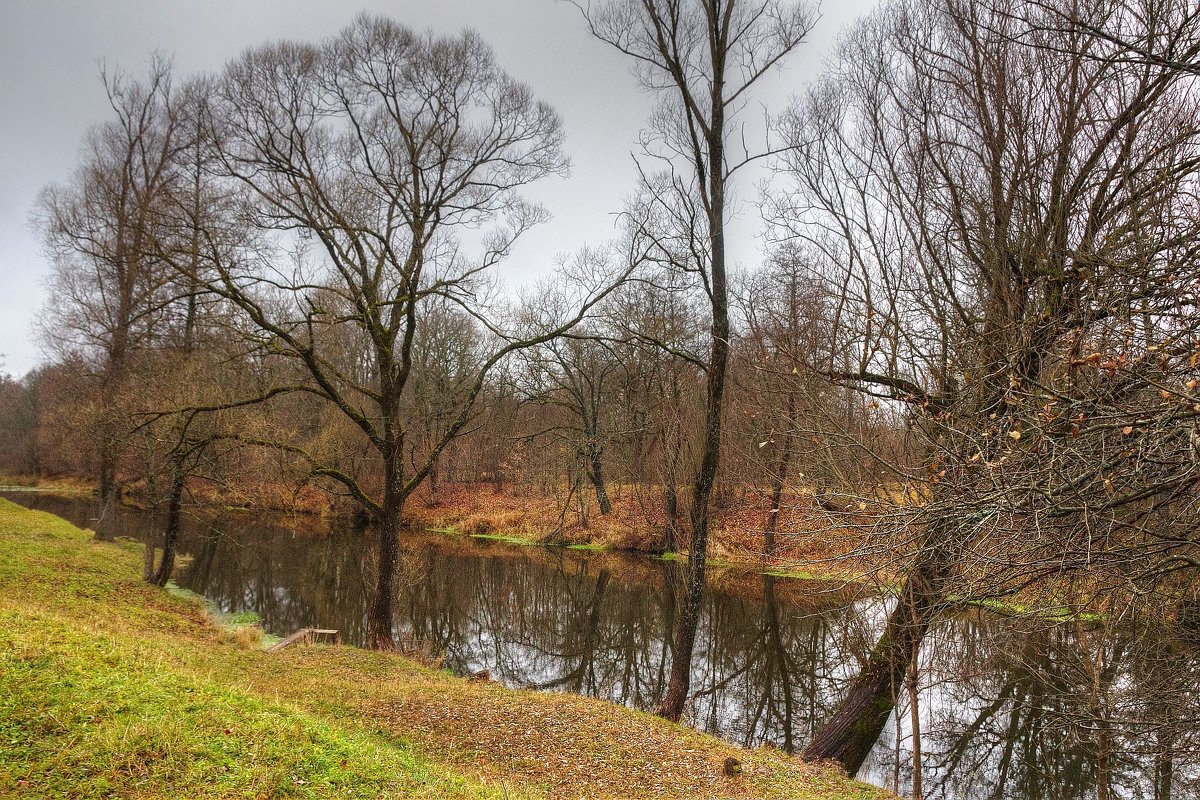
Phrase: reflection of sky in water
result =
(1005, 712)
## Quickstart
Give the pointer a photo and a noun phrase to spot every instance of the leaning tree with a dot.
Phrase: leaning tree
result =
(1006, 208)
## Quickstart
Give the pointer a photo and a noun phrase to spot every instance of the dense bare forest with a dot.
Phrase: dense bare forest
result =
(966, 371)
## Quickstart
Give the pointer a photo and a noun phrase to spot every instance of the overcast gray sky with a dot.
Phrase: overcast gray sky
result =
(51, 50)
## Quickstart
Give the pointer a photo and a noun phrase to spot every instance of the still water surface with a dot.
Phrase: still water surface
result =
(1008, 709)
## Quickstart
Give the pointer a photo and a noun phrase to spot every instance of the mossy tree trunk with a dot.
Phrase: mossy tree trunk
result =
(855, 726)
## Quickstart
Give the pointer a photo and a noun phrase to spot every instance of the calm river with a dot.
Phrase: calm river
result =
(1008, 709)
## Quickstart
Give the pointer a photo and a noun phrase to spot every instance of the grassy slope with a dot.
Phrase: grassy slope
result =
(112, 688)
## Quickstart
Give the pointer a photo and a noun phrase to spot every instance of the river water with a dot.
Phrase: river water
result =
(1007, 708)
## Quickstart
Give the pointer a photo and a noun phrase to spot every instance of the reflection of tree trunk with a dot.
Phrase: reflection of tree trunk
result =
(683, 643)
(813, 700)
(849, 735)
(171, 532)
(957, 749)
(197, 575)
(1169, 673)
(914, 710)
(778, 664)
(592, 632)
(672, 573)
(581, 679)
(1010, 741)
(1164, 774)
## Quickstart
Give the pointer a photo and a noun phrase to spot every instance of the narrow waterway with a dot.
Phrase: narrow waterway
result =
(1008, 709)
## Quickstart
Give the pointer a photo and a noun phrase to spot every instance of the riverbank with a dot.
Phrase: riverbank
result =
(110, 687)
(811, 543)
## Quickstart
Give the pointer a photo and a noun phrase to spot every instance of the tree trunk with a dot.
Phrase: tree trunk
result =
(779, 665)
(851, 732)
(779, 476)
(596, 474)
(380, 611)
(1164, 776)
(684, 639)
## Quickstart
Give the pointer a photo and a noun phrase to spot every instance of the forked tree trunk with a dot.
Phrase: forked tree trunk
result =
(855, 726)
(596, 475)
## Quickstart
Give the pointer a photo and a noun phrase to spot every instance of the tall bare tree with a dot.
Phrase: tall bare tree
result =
(702, 58)
(109, 289)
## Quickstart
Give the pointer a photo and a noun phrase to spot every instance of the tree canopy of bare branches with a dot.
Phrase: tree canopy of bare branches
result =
(1007, 209)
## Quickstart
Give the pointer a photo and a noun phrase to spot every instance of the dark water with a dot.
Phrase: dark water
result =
(1007, 709)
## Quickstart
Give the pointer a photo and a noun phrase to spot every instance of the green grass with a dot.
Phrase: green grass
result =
(806, 575)
(83, 716)
(112, 688)
(1009, 608)
(93, 702)
(508, 539)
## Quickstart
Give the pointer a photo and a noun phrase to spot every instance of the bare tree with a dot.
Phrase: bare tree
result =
(701, 57)
(388, 155)
(109, 289)
(659, 329)
(785, 412)
(577, 376)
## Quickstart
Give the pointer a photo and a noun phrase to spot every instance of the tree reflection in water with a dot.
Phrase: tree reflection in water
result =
(1009, 709)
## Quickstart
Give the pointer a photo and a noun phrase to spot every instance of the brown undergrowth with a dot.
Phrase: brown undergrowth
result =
(811, 541)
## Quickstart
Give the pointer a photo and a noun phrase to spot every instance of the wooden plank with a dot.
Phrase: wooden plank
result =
(306, 635)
